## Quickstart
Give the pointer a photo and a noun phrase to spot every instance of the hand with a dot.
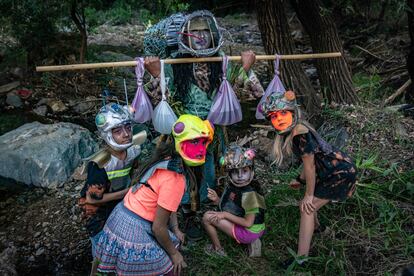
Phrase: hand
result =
(248, 58)
(178, 262)
(215, 217)
(88, 210)
(180, 235)
(153, 66)
(212, 195)
(306, 205)
(294, 184)
(94, 194)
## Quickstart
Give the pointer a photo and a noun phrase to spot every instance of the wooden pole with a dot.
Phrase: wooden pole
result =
(179, 60)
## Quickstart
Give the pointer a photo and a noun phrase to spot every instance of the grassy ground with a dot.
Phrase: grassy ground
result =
(371, 233)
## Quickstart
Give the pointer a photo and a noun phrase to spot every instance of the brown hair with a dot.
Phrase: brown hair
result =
(282, 146)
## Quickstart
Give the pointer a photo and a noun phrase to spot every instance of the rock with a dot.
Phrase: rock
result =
(37, 234)
(57, 105)
(82, 107)
(43, 101)
(40, 110)
(8, 260)
(31, 259)
(13, 100)
(8, 87)
(17, 72)
(44, 155)
(40, 251)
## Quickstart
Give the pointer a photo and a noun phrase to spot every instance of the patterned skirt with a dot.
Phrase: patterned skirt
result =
(128, 247)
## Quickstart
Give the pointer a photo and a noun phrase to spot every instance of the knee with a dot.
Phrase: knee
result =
(206, 219)
(303, 213)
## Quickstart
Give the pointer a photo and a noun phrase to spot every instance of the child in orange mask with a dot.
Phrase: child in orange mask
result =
(328, 173)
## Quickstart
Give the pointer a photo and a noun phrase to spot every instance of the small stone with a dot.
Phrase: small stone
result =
(40, 251)
(17, 72)
(64, 249)
(44, 224)
(31, 259)
(57, 106)
(13, 100)
(40, 110)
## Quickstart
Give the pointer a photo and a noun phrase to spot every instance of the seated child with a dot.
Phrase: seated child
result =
(108, 177)
(242, 208)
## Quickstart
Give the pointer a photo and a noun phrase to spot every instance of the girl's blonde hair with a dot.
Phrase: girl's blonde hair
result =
(282, 146)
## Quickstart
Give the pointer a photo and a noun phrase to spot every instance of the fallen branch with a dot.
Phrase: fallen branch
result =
(368, 52)
(397, 93)
(10, 86)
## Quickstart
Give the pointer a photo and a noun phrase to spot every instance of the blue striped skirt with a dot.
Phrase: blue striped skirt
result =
(127, 246)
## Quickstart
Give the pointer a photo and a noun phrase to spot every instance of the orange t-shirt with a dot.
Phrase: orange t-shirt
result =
(169, 188)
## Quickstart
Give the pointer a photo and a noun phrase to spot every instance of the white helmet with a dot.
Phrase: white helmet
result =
(109, 117)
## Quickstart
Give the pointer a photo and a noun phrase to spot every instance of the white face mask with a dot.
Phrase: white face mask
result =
(242, 176)
(199, 39)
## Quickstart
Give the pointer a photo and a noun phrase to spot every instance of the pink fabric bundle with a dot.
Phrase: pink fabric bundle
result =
(275, 86)
(141, 105)
(225, 109)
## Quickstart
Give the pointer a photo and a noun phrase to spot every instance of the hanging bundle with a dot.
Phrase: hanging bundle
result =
(275, 86)
(225, 109)
(141, 105)
(164, 117)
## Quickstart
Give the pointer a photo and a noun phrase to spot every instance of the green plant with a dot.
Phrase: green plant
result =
(367, 86)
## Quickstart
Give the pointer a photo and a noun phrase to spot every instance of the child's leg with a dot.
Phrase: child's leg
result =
(307, 226)
(224, 225)
(94, 268)
(317, 224)
(211, 231)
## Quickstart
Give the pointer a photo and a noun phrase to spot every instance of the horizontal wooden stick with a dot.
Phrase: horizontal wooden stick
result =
(133, 63)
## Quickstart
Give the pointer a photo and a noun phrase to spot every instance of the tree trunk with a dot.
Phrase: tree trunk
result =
(78, 17)
(276, 38)
(334, 73)
(409, 95)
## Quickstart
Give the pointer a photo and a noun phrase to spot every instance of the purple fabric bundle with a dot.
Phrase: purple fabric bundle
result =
(225, 109)
(141, 105)
(275, 86)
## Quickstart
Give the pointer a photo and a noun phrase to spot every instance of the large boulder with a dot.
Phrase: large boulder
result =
(44, 155)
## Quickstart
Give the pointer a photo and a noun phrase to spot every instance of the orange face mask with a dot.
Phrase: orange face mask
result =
(281, 119)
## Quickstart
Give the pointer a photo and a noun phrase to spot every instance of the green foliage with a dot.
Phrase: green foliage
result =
(119, 13)
(124, 11)
(33, 22)
(368, 86)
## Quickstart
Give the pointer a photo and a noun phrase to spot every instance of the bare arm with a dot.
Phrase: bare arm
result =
(246, 221)
(309, 173)
(160, 230)
(212, 195)
(107, 197)
(306, 204)
(175, 227)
